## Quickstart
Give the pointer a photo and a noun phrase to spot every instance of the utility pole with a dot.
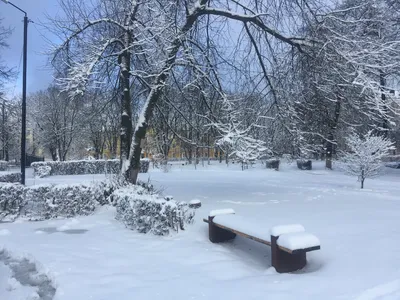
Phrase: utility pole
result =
(25, 59)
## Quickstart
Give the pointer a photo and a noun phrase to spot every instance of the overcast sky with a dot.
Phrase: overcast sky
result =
(39, 76)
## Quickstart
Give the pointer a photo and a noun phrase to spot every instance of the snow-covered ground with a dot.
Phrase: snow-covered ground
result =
(95, 257)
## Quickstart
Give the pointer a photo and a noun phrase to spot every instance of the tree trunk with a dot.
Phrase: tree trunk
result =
(385, 122)
(331, 137)
(126, 109)
(156, 92)
(362, 178)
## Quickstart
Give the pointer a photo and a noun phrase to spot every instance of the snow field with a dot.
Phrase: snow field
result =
(96, 257)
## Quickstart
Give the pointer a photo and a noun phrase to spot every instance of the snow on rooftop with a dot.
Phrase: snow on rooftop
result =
(283, 229)
(217, 212)
(298, 240)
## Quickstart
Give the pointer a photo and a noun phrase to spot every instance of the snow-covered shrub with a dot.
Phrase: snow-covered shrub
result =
(364, 155)
(150, 189)
(49, 201)
(79, 167)
(11, 178)
(303, 164)
(148, 213)
(272, 164)
(42, 171)
(106, 188)
(11, 200)
(3, 165)
(52, 201)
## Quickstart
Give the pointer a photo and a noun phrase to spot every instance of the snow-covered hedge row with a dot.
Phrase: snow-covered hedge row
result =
(11, 178)
(11, 200)
(49, 201)
(148, 213)
(78, 167)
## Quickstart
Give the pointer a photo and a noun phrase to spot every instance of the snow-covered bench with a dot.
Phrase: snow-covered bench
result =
(289, 243)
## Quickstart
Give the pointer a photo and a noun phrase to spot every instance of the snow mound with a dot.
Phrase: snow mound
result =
(25, 280)
(298, 240)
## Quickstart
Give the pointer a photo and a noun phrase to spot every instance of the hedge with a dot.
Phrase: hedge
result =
(79, 167)
(48, 201)
(11, 178)
(148, 213)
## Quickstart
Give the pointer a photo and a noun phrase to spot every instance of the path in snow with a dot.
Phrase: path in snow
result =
(25, 278)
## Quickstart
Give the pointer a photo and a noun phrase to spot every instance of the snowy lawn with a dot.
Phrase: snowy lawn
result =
(95, 257)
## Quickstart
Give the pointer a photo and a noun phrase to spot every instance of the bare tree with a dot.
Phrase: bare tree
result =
(58, 121)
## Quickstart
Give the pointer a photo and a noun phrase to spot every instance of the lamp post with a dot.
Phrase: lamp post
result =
(23, 133)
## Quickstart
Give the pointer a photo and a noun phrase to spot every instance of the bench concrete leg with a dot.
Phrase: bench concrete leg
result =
(216, 234)
(284, 262)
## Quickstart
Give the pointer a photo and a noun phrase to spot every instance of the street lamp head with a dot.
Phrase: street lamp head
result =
(5, 1)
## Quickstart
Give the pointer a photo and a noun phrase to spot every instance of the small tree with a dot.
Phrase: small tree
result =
(235, 137)
(364, 155)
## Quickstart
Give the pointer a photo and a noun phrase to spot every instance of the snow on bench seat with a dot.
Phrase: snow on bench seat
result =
(217, 212)
(298, 241)
(283, 229)
(238, 223)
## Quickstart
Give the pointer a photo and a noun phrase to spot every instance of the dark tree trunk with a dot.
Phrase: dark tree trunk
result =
(385, 121)
(53, 153)
(156, 92)
(126, 107)
(330, 144)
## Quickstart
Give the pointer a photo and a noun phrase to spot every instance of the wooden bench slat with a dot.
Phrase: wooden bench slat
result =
(268, 243)
(244, 235)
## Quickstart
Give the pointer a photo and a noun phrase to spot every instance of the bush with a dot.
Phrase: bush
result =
(304, 164)
(11, 201)
(272, 164)
(79, 167)
(43, 171)
(50, 201)
(53, 201)
(11, 178)
(3, 165)
(148, 213)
